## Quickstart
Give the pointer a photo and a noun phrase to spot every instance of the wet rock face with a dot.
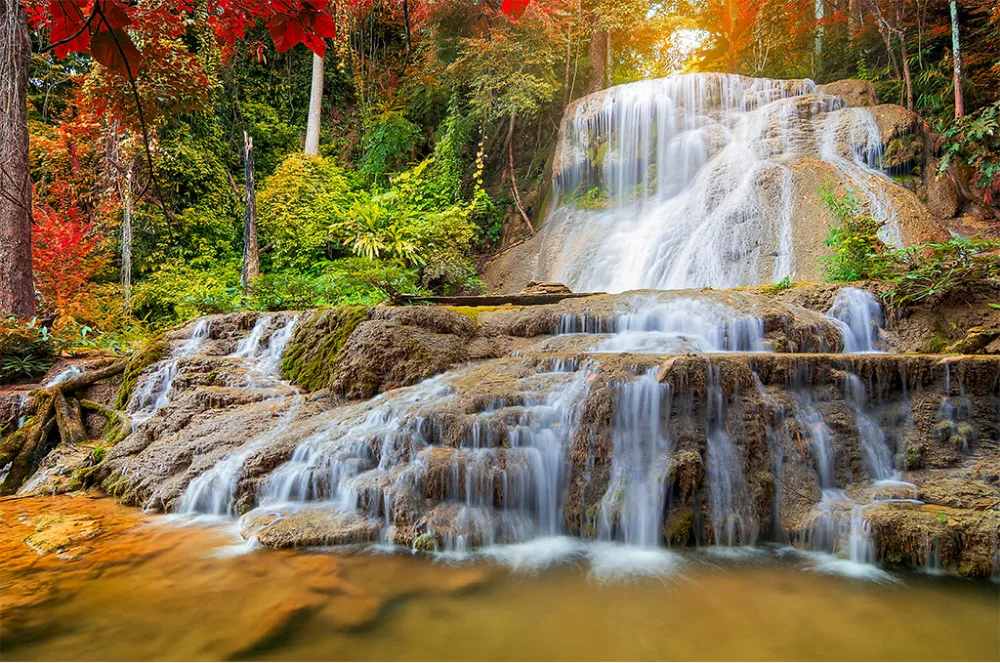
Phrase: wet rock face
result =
(719, 443)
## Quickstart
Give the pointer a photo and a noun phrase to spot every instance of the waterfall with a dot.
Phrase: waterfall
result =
(859, 317)
(154, 392)
(690, 181)
(728, 497)
(676, 326)
(632, 506)
(875, 450)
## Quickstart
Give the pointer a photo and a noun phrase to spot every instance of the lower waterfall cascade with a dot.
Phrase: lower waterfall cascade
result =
(725, 442)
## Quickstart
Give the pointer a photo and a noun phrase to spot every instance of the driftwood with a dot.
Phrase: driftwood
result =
(55, 409)
(517, 299)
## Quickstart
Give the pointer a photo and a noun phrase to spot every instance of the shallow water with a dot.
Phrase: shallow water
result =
(147, 588)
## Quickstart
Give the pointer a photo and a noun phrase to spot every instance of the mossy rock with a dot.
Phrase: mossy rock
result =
(312, 352)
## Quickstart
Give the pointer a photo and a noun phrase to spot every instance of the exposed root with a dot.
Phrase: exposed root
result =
(55, 408)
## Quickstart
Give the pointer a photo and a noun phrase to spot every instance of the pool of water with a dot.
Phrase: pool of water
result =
(146, 587)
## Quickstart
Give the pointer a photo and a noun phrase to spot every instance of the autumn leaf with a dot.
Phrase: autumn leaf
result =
(514, 8)
(115, 50)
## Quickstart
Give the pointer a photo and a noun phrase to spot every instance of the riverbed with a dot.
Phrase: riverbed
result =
(95, 580)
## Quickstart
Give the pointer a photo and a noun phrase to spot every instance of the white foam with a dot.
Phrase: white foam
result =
(612, 561)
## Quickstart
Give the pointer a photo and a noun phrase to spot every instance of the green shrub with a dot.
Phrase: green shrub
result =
(295, 207)
(178, 292)
(27, 348)
(974, 140)
(952, 270)
(388, 142)
(858, 253)
(347, 281)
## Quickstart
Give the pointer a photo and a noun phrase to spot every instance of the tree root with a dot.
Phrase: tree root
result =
(25, 448)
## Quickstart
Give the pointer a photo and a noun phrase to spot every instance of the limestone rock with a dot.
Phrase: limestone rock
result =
(853, 91)
(545, 288)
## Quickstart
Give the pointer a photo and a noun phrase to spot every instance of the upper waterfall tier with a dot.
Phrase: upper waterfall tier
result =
(706, 180)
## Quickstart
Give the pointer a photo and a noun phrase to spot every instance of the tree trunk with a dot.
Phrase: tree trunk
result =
(596, 53)
(315, 106)
(820, 12)
(17, 288)
(127, 241)
(609, 69)
(956, 55)
(513, 179)
(907, 78)
(251, 254)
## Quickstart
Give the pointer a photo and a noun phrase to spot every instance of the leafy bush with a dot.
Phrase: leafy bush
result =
(26, 347)
(858, 253)
(974, 140)
(342, 282)
(388, 141)
(178, 292)
(952, 270)
(295, 207)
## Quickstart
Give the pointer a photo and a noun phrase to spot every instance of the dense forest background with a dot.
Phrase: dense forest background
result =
(438, 118)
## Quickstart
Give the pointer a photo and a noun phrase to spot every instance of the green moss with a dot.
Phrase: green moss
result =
(472, 312)
(425, 542)
(152, 352)
(679, 527)
(312, 352)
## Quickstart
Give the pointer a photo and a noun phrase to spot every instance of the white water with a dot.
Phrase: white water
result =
(154, 392)
(859, 317)
(695, 172)
(632, 506)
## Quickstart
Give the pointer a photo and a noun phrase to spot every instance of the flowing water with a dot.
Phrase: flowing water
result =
(690, 181)
(149, 590)
(154, 392)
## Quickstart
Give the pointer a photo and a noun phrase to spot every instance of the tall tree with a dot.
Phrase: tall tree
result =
(315, 106)
(251, 254)
(17, 291)
(956, 54)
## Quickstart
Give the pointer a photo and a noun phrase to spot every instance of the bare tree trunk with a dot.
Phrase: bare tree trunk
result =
(569, 58)
(907, 78)
(513, 179)
(956, 54)
(820, 12)
(406, 29)
(251, 254)
(17, 288)
(315, 106)
(598, 63)
(609, 69)
(127, 241)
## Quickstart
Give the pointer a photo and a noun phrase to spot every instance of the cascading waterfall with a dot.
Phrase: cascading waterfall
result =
(632, 506)
(677, 326)
(213, 492)
(859, 317)
(154, 393)
(727, 490)
(875, 450)
(688, 181)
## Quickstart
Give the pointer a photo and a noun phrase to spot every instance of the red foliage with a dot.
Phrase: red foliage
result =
(66, 253)
(98, 27)
(514, 8)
